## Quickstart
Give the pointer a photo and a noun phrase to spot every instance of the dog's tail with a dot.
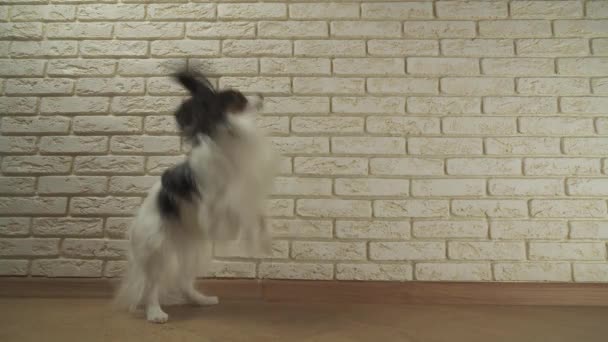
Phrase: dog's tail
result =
(132, 288)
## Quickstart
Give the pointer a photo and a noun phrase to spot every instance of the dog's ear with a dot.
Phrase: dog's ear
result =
(232, 101)
(196, 83)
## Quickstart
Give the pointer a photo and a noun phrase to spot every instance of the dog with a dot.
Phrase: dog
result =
(216, 194)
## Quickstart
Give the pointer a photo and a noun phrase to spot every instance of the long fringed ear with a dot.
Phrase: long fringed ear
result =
(195, 82)
(232, 101)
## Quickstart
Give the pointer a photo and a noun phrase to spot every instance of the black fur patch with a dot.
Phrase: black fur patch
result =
(177, 183)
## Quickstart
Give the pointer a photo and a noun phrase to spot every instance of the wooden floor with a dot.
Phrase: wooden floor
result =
(92, 320)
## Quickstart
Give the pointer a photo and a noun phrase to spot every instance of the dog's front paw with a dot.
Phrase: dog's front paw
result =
(156, 315)
(206, 300)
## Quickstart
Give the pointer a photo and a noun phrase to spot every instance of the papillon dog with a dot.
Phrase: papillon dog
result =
(216, 194)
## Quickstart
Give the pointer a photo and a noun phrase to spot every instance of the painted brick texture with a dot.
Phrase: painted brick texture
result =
(422, 140)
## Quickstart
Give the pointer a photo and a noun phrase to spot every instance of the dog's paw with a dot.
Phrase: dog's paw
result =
(206, 300)
(157, 315)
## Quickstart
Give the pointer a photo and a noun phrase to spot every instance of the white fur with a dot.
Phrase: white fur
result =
(234, 171)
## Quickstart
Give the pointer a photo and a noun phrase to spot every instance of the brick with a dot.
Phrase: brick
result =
(444, 105)
(324, 86)
(381, 230)
(333, 208)
(581, 28)
(145, 104)
(185, 11)
(445, 146)
(584, 104)
(553, 86)
(411, 208)
(368, 105)
(552, 47)
(477, 47)
(368, 66)
(409, 10)
(12, 145)
(74, 105)
(66, 268)
(80, 30)
(520, 105)
(367, 29)
(526, 230)
(442, 66)
(587, 186)
(106, 12)
(17, 185)
(479, 125)
(518, 66)
(292, 29)
(14, 226)
(14, 267)
(160, 124)
(36, 164)
(155, 165)
(590, 272)
(585, 146)
(600, 46)
(307, 250)
(106, 124)
(596, 9)
(110, 86)
(295, 66)
(556, 125)
(401, 48)
(43, 13)
(558, 271)
(115, 268)
(368, 145)
(300, 228)
(149, 67)
(220, 29)
(329, 48)
(472, 10)
(144, 144)
(561, 166)
(117, 227)
(185, 48)
(526, 187)
(486, 250)
(515, 28)
(13, 67)
(582, 66)
(327, 125)
(139, 185)
(280, 270)
(568, 208)
(439, 29)
(164, 86)
(41, 86)
(490, 208)
(301, 186)
(231, 269)
(453, 271)
(402, 85)
(29, 247)
(280, 207)
(324, 11)
(450, 229)
(330, 165)
(374, 272)
(252, 11)
(399, 251)
(291, 145)
(60, 226)
(448, 187)
(18, 105)
(20, 31)
(239, 249)
(69, 145)
(371, 187)
(591, 230)
(87, 165)
(300, 105)
(266, 47)
(104, 205)
(567, 250)
(109, 48)
(546, 9)
(406, 166)
(273, 125)
(477, 86)
(98, 248)
(524, 146)
(402, 125)
(72, 185)
(226, 66)
(81, 67)
(268, 85)
(148, 30)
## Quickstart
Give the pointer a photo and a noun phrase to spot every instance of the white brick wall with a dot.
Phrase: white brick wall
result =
(422, 140)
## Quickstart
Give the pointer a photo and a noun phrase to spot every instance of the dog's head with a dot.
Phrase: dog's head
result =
(209, 111)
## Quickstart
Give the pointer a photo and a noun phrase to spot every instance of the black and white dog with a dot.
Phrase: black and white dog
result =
(217, 193)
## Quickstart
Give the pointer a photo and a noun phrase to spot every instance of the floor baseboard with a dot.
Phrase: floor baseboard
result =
(566, 294)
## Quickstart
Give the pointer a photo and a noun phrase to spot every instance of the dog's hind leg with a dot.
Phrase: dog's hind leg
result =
(190, 260)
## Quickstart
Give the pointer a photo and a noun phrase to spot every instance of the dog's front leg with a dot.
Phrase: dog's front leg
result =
(154, 313)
